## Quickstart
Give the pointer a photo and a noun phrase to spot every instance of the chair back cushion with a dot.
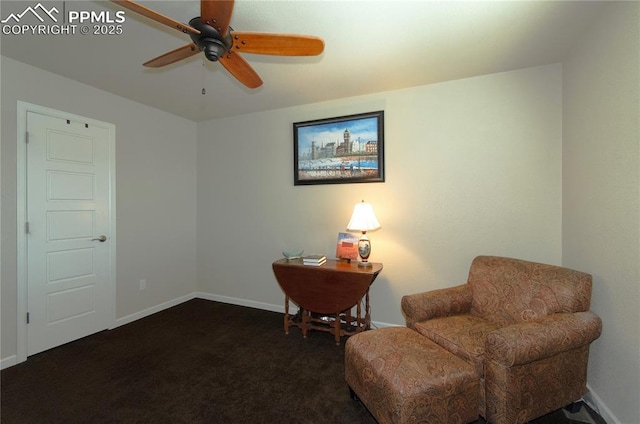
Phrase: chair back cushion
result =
(508, 291)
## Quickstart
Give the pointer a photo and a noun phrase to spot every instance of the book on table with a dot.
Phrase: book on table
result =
(315, 260)
(347, 247)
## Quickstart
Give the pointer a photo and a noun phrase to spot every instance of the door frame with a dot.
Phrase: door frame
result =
(21, 200)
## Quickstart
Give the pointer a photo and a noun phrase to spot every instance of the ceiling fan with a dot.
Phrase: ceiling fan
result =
(210, 32)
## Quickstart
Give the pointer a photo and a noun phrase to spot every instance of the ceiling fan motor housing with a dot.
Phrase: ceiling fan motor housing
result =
(210, 41)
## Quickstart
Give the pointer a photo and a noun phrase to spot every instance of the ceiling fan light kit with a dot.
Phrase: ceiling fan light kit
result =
(211, 34)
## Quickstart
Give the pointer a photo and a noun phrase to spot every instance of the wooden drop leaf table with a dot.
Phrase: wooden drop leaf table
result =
(326, 294)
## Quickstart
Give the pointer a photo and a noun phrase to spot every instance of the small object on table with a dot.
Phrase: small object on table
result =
(293, 254)
(347, 248)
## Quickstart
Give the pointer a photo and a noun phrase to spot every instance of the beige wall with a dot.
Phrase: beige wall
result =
(601, 197)
(155, 191)
(473, 167)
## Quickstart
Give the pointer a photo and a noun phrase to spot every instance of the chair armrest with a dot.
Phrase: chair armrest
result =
(436, 303)
(530, 341)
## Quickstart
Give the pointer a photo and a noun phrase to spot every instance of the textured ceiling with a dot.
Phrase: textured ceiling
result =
(370, 46)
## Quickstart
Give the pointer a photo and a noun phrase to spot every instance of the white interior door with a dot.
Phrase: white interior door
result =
(69, 230)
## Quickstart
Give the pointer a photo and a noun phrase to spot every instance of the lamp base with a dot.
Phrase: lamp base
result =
(364, 250)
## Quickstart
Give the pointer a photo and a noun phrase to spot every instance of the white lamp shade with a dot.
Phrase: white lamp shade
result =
(363, 218)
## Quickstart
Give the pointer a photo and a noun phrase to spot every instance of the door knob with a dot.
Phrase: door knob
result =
(101, 239)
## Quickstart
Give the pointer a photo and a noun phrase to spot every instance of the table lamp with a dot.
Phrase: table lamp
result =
(363, 219)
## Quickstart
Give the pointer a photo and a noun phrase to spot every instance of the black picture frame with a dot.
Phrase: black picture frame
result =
(345, 149)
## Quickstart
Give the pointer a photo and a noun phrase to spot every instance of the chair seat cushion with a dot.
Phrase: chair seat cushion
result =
(462, 335)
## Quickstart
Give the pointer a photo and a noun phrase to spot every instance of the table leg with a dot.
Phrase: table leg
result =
(337, 328)
(286, 314)
(359, 317)
(305, 320)
(367, 315)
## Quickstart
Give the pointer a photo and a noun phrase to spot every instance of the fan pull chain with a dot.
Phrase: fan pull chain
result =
(203, 89)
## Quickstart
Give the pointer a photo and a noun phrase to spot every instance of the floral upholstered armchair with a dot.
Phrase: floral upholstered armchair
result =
(524, 326)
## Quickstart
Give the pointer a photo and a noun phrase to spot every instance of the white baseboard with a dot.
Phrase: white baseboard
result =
(8, 362)
(379, 324)
(240, 302)
(150, 311)
(266, 306)
(592, 399)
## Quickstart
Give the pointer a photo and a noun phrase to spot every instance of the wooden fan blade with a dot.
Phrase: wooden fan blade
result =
(240, 68)
(217, 13)
(158, 17)
(173, 56)
(277, 44)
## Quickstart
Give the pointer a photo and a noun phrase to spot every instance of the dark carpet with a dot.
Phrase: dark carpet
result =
(198, 362)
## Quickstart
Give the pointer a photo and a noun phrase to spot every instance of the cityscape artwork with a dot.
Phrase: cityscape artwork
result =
(347, 149)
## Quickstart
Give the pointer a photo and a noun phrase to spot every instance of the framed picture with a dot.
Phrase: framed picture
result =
(347, 149)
